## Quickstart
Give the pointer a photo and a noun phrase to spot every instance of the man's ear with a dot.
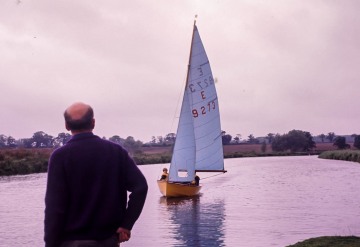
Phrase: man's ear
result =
(67, 127)
(93, 123)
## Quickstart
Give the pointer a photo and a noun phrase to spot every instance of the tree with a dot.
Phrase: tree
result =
(7, 141)
(252, 139)
(61, 139)
(117, 139)
(131, 145)
(295, 141)
(270, 137)
(28, 143)
(160, 140)
(330, 136)
(279, 143)
(41, 139)
(153, 140)
(322, 137)
(11, 142)
(340, 142)
(3, 141)
(237, 138)
(226, 139)
(310, 144)
(170, 138)
(357, 141)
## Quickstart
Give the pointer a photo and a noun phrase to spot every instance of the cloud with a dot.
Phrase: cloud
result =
(280, 65)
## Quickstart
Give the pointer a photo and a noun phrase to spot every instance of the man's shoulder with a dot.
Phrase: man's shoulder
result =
(94, 141)
(60, 150)
(107, 143)
(113, 144)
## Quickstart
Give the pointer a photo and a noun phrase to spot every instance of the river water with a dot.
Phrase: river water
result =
(260, 202)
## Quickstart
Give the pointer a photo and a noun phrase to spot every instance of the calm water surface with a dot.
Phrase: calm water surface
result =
(260, 202)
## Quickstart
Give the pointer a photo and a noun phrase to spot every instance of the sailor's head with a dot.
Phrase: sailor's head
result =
(165, 170)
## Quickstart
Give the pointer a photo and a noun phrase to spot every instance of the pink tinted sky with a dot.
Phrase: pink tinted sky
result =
(280, 65)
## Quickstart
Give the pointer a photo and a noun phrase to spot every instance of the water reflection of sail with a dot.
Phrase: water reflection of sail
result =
(193, 223)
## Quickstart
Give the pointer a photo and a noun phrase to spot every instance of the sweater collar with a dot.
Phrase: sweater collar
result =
(81, 136)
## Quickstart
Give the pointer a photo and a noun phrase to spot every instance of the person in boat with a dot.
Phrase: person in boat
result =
(165, 174)
(86, 201)
(196, 180)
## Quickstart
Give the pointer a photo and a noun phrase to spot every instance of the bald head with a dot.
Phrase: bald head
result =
(79, 117)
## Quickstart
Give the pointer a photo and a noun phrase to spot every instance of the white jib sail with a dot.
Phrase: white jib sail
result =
(198, 143)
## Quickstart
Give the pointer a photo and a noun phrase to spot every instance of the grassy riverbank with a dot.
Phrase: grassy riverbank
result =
(336, 241)
(348, 155)
(26, 161)
(23, 161)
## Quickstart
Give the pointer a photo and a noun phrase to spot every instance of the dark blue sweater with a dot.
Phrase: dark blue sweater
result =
(86, 196)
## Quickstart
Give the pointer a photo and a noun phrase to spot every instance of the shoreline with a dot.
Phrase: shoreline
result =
(35, 160)
(338, 241)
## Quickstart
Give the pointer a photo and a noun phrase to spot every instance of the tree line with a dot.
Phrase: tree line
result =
(41, 139)
(294, 141)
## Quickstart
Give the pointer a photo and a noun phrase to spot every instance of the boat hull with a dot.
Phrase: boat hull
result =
(171, 189)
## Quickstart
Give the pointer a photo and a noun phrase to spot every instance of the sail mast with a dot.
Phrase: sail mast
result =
(184, 154)
(191, 46)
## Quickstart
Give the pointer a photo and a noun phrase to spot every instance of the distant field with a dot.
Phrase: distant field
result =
(240, 148)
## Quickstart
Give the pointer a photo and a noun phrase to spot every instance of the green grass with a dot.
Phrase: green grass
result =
(35, 160)
(335, 241)
(145, 159)
(348, 155)
(23, 161)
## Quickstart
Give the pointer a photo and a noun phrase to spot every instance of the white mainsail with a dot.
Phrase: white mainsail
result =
(198, 145)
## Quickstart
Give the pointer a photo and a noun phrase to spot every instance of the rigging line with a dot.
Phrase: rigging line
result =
(212, 176)
(176, 110)
(188, 66)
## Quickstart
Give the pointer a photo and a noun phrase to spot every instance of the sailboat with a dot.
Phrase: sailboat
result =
(198, 145)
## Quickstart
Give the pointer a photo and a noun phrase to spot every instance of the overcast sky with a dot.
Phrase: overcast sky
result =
(280, 65)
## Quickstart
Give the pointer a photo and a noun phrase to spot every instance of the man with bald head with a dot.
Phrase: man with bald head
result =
(88, 180)
(79, 117)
